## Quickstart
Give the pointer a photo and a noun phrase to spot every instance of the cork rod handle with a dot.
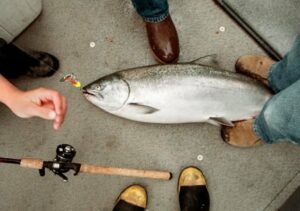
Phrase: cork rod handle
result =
(162, 175)
(32, 163)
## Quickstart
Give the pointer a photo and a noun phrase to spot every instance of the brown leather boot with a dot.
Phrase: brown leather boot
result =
(163, 41)
(241, 135)
(255, 66)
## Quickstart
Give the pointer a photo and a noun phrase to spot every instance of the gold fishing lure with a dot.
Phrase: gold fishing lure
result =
(72, 79)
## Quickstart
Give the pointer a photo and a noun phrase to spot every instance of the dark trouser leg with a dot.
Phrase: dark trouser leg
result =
(13, 61)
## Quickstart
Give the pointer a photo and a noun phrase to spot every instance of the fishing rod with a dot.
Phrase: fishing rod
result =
(62, 163)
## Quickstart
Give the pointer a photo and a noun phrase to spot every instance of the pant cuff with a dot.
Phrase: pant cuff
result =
(270, 78)
(258, 131)
(156, 19)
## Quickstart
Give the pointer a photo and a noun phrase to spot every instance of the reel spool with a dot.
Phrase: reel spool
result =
(62, 163)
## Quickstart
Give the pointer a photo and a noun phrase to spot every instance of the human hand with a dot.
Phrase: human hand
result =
(44, 103)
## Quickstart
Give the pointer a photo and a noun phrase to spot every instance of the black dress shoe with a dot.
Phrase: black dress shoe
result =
(193, 194)
(46, 66)
(133, 198)
(15, 62)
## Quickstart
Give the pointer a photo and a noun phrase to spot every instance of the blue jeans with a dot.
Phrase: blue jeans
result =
(152, 10)
(280, 118)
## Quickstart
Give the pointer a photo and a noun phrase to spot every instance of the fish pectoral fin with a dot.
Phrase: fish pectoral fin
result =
(206, 60)
(142, 109)
(209, 60)
(221, 121)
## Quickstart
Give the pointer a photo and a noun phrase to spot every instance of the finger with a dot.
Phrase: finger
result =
(56, 125)
(58, 122)
(54, 96)
(49, 105)
(57, 101)
(63, 106)
(60, 118)
(43, 112)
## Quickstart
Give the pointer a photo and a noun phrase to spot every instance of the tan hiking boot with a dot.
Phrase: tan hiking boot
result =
(241, 135)
(255, 66)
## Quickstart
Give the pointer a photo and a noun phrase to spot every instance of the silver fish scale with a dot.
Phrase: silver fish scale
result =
(191, 93)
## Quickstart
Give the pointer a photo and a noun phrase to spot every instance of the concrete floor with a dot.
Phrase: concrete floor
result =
(238, 179)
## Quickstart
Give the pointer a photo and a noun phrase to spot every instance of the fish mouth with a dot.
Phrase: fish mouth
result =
(86, 93)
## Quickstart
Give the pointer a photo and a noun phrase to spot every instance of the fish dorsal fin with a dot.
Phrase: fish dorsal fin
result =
(142, 109)
(208, 60)
(220, 121)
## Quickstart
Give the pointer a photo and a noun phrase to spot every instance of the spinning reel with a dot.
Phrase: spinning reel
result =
(62, 162)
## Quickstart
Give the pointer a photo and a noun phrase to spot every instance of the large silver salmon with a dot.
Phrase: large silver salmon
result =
(178, 93)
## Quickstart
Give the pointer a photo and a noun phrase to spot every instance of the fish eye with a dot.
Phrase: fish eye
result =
(99, 87)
